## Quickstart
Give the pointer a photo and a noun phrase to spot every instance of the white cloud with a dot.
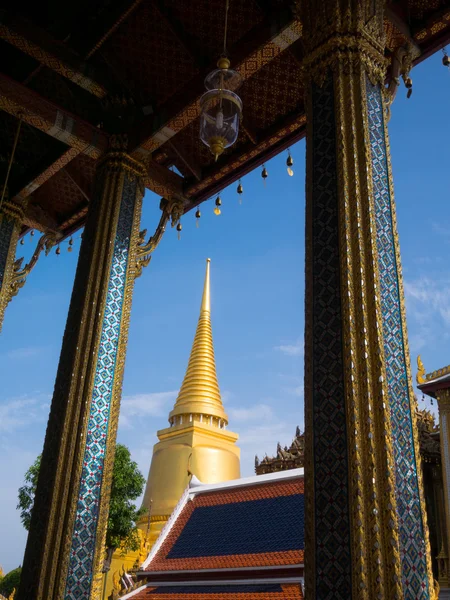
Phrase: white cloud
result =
(441, 229)
(254, 413)
(262, 439)
(25, 352)
(155, 404)
(20, 412)
(295, 349)
(427, 298)
(297, 391)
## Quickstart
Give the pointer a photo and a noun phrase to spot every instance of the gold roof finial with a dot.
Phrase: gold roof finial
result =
(420, 377)
(199, 392)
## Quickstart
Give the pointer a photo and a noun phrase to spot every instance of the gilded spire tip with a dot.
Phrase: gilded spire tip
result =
(206, 298)
(199, 392)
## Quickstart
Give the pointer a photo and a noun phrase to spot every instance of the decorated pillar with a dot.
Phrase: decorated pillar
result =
(11, 219)
(65, 547)
(366, 532)
(443, 398)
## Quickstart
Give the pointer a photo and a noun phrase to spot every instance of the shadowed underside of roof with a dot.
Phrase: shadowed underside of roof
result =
(268, 591)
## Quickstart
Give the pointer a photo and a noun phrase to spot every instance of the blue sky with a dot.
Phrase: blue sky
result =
(257, 271)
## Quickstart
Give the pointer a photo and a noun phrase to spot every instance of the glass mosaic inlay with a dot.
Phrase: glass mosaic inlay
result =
(79, 578)
(331, 503)
(412, 545)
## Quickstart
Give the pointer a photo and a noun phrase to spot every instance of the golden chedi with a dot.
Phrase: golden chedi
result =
(197, 442)
(197, 439)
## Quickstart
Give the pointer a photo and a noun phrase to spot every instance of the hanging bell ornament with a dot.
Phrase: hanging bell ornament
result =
(32, 232)
(240, 191)
(58, 251)
(408, 85)
(264, 174)
(446, 60)
(22, 242)
(217, 210)
(198, 214)
(221, 108)
(179, 228)
(289, 164)
(69, 249)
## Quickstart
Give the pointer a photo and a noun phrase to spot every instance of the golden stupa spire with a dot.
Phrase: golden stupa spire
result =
(199, 392)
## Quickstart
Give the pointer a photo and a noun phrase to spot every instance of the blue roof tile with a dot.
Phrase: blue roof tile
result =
(252, 527)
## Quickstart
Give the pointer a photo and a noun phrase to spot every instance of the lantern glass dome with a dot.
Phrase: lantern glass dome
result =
(223, 79)
(221, 110)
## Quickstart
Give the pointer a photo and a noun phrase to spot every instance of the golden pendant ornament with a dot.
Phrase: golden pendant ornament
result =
(217, 210)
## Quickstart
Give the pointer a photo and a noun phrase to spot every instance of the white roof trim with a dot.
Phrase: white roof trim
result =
(218, 569)
(247, 481)
(167, 527)
(190, 493)
(253, 581)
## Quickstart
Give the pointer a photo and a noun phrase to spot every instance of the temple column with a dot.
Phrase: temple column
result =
(11, 219)
(366, 533)
(443, 398)
(65, 548)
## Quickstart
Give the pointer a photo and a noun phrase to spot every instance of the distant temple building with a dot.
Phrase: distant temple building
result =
(286, 458)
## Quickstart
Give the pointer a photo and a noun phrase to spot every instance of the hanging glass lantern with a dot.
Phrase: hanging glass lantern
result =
(221, 108)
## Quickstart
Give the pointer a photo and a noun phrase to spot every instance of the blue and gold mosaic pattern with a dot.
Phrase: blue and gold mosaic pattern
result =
(412, 545)
(6, 231)
(331, 502)
(79, 578)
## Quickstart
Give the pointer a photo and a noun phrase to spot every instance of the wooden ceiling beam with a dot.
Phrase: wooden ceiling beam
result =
(89, 37)
(188, 161)
(39, 179)
(38, 218)
(21, 102)
(252, 53)
(185, 39)
(80, 136)
(36, 43)
(249, 157)
(76, 177)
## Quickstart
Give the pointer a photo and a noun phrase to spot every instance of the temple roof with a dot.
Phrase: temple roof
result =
(434, 381)
(77, 72)
(259, 591)
(249, 522)
(285, 458)
(236, 539)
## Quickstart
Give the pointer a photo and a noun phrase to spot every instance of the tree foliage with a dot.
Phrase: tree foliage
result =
(127, 485)
(10, 582)
(27, 491)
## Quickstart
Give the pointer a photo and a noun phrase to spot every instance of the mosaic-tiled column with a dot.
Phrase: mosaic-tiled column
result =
(11, 219)
(443, 398)
(366, 533)
(64, 553)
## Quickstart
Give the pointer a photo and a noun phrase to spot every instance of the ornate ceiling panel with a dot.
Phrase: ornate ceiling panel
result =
(147, 52)
(206, 26)
(59, 196)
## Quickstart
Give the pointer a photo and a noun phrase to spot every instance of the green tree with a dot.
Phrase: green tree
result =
(27, 491)
(10, 582)
(127, 485)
